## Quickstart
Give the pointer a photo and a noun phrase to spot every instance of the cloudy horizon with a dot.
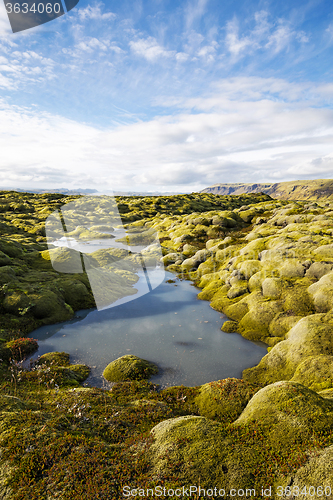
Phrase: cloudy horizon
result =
(168, 96)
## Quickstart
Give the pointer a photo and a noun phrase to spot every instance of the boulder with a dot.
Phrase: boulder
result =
(292, 410)
(229, 326)
(315, 372)
(322, 293)
(272, 288)
(311, 336)
(224, 400)
(318, 270)
(129, 367)
(188, 447)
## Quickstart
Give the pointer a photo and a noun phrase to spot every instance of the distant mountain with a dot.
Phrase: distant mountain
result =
(292, 190)
(72, 192)
(144, 193)
(69, 192)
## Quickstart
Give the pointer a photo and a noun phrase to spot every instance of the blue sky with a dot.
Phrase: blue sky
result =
(157, 95)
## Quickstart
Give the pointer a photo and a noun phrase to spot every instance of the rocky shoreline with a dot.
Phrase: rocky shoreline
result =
(267, 264)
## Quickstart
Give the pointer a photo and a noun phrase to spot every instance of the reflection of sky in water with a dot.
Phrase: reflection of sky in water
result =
(168, 326)
(93, 245)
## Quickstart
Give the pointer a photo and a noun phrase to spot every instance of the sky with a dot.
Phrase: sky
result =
(168, 96)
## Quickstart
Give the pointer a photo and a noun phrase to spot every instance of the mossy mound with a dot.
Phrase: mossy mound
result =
(55, 368)
(54, 358)
(129, 367)
(18, 349)
(4, 259)
(315, 372)
(11, 248)
(64, 260)
(311, 336)
(188, 447)
(76, 294)
(224, 400)
(229, 326)
(291, 409)
(322, 293)
(49, 306)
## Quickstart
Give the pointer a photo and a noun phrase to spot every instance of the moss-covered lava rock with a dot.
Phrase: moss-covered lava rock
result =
(129, 367)
(292, 410)
(224, 400)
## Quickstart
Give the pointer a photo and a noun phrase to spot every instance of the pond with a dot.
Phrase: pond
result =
(169, 326)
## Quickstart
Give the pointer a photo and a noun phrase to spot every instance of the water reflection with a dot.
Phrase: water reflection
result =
(168, 326)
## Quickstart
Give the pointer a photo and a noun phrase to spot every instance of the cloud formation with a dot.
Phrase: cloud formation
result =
(231, 140)
(116, 94)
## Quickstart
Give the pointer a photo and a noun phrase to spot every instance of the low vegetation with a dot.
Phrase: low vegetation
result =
(267, 264)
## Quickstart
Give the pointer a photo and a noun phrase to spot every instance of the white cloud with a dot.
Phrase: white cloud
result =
(208, 52)
(317, 167)
(251, 140)
(193, 11)
(280, 38)
(181, 57)
(95, 13)
(5, 29)
(264, 35)
(329, 32)
(150, 49)
(20, 68)
(91, 44)
(235, 44)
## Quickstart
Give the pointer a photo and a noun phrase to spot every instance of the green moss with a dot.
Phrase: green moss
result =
(229, 326)
(311, 336)
(211, 288)
(54, 358)
(314, 476)
(255, 324)
(224, 400)
(11, 248)
(281, 324)
(272, 288)
(64, 260)
(129, 367)
(315, 372)
(18, 349)
(49, 307)
(322, 293)
(11, 403)
(293, 409)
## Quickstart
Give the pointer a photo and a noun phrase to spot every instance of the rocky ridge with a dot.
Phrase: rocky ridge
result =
(291, 190)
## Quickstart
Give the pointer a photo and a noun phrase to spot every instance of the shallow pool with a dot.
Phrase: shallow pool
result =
(168, 326)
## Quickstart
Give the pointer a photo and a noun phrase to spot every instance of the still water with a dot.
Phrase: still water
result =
(168, 326)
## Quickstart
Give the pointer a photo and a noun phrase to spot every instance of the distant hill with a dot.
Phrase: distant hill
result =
(292, 190)
(68, 192)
